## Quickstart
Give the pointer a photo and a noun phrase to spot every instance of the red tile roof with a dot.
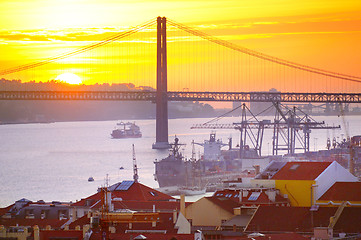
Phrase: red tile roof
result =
(272, 218)
(301, 170)
(225, 204)
(165, 223)
(68, 234)
(149, 236)
(42, 223)
(5, 209)
(282, 236)
(343, 191)
(80, 222)
(148, 205)
(233, 195)
(136, 192)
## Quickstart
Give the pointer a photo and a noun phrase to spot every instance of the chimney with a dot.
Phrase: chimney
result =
(2, 231)
(257, 168)
(86, 227)
(109, 201)
(73, 214)
(112, 229)
(237, 211)
(182, 205)
(36, 232)
(174, 216)
(271, 193)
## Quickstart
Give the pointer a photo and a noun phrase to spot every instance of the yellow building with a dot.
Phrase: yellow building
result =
(305, 182)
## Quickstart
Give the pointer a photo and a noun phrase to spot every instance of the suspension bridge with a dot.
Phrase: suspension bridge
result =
(170, 61)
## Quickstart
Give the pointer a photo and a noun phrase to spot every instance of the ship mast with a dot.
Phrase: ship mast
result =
(135, 168)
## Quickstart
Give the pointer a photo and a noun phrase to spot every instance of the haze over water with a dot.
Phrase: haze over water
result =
(54, 161)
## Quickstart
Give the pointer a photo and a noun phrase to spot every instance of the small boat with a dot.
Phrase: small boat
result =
(90, 179)
(126, 130)
(121, 168)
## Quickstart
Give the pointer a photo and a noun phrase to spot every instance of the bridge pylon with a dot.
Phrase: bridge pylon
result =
(161, 96)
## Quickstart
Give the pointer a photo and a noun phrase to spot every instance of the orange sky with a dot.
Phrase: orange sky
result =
(323, 34)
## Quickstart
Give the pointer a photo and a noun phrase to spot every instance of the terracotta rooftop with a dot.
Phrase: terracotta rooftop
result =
(149, 236)
(301, 170)
(251, 196)
(165, 223)
(226, 204)
(5, 209)
(60, 234)
(131, 192)
(146, 205)
(42, 223)
(277, 219)
(281, 236)
(80, 222)
(343, 191)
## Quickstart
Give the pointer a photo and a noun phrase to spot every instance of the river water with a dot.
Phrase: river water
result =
(52, 162)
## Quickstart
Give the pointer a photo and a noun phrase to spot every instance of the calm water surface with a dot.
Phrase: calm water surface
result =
(54, 161)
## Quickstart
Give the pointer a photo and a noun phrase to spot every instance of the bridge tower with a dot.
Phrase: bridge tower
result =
(161, 97)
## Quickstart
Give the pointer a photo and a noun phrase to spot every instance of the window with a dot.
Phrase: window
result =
(254, 196)
(44, 214)
(294, 167)
(62, 214)
(29, 213)
(153, 194)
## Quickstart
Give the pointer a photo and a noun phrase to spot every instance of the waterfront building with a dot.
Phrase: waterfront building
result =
(303, 182)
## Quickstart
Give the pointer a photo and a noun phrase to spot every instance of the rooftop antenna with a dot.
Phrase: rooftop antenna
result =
(193, 151)
(107, 181)
(135, 168)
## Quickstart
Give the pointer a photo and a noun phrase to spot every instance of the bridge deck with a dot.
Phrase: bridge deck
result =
(183, 96)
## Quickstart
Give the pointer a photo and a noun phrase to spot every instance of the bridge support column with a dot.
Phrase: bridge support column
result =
(161, 98)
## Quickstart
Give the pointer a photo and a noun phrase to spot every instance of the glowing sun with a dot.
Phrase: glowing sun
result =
(70, 78)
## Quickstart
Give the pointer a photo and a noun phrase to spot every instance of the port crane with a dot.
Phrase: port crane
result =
(290, 126)
(135, 167)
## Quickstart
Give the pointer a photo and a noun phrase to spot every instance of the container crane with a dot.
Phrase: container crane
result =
(287, 127)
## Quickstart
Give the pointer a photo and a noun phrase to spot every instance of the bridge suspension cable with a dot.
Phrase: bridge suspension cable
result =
(264, 56)
(80, 50)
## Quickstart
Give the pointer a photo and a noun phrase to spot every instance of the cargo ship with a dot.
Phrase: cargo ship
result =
(126, 130)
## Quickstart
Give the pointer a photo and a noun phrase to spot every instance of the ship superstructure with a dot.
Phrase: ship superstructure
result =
(175, 173)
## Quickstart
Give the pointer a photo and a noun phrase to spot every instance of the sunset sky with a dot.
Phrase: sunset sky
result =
(322, 34)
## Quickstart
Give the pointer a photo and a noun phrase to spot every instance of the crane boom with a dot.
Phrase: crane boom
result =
(135, 168)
